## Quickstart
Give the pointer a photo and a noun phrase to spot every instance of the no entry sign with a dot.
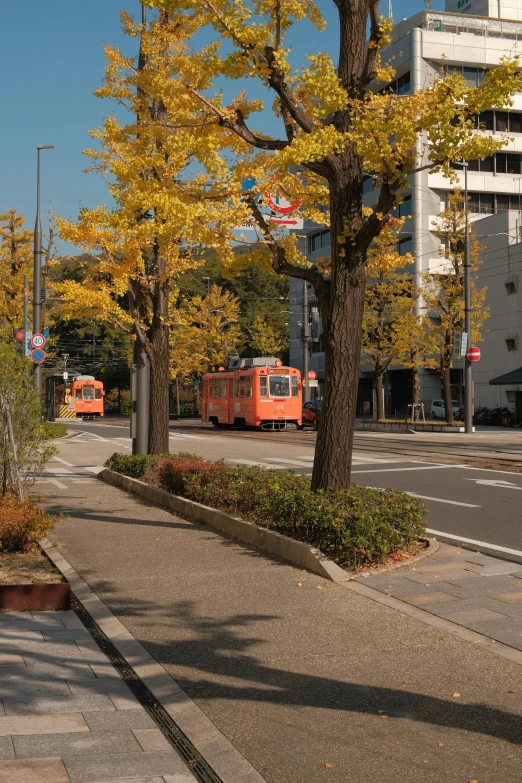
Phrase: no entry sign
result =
(312, 375)
(473, 354)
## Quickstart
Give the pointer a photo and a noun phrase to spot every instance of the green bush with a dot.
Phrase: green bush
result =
(50, 431)
(355, 527)
(135, 465)
(22, 524)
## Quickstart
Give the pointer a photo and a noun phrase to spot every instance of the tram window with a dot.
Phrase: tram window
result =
(235, 391)
(263, 386)
(98, 394)
(248, 386)
(279, 386)
(88, 394)
(78, 394)
(295, 392)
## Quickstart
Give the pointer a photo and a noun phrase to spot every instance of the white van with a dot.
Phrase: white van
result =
(438, 409)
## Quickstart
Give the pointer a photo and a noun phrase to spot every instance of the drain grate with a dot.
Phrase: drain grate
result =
(201, 770)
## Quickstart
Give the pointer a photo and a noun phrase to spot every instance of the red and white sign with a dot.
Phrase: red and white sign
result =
(38, 341)
(279, 204)
(312, 375)
(473, 354)
(291, 222)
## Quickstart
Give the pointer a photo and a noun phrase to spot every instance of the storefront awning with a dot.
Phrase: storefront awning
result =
(513, 377)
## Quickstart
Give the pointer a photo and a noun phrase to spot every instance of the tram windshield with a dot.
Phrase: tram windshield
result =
(88, 394)
(280, 386)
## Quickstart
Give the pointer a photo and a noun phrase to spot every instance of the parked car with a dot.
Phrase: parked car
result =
(312, 413)
(438, 409)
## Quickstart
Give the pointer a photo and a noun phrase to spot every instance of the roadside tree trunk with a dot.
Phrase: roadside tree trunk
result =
(446, 393)
(379, 396)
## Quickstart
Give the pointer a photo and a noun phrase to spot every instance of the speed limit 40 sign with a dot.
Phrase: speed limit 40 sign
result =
(37, 341)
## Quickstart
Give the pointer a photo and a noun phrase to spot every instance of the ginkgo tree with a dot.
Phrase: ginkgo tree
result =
(157, 156)
(443, 292)
(16, 260)
(337, 125)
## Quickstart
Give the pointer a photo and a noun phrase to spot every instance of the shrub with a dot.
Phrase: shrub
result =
(22, 524)
(354, 527)
(50, 430)
(134, 465)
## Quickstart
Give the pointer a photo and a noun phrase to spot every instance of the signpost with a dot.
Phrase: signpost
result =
(312, 375)
(464, 343)
(38, 355)
(473, 354)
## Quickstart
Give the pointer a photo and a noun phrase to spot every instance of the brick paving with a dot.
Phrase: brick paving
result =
(479, 592)
(66, 716)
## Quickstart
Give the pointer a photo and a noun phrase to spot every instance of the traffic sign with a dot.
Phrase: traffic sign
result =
(38, 340)
(313, 383)
(38, 355)
(312, 375)
(279, 204)
(464, 343)
(473, 354)
(296, 223)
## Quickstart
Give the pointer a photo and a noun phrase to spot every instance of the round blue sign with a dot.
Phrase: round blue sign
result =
(38, 355)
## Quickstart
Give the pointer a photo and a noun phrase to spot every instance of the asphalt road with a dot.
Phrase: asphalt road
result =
(474, 506)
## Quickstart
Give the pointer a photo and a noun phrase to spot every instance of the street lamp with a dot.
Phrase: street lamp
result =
(37, 281)
(468, 371)
(208, 283)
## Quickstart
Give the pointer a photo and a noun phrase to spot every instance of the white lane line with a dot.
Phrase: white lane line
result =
(490, 470)
(289, 461)
(63, 461)
(52, 481)
(82, 481)
(59, 471)
(396, 470)
(95, 469)
(175, 436)
(253, 463)
(442, 500)
(475, 543)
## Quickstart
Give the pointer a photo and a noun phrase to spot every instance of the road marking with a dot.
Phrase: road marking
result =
(475, 543)
(395, 470)
(253, 463)
(59, 471)
(52, 481)
(442, 500)
(179, 436)
(63, 461)
(495, 483)
(95, 469)
(301, 464)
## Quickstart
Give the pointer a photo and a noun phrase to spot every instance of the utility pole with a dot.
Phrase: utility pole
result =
(37, 281)
(306, 341)
(26, 319)
(468, 371)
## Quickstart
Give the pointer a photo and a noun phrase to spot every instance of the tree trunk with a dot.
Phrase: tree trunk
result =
(379, 394)
(446, 393)
(178, 409)
(342, 348)
(159, 356)
(416, 386)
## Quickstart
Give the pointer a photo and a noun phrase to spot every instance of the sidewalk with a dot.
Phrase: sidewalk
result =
(310, 681)
(66, 715)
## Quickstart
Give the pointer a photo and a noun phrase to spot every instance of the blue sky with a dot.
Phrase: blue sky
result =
(51, 56)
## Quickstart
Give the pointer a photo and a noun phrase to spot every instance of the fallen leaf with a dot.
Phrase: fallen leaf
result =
(441, 744)
(381, 712)
(384, 716)
(456, 695)
(428, 585)
(319, 587)
(328, 766)
(511, 691)
(299, 584)
(413, 569)
(473, 781)
(424, 761)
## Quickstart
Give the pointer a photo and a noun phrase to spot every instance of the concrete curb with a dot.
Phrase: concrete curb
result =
(295, 552)
(215, 748)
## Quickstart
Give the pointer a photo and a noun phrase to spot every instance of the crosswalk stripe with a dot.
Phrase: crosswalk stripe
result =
(300, 463)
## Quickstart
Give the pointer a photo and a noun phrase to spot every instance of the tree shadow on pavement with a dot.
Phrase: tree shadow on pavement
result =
(219, 647)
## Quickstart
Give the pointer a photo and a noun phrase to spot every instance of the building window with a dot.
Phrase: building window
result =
(511, 288)
(405, 246)
(491, 203)
(400, 86)
(369, 184)
(511, 283)
(473, 76)
(319, 240)
(511, 343)
(500, 163)
(403, 209)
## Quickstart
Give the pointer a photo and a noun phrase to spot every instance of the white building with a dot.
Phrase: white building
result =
(469, 37)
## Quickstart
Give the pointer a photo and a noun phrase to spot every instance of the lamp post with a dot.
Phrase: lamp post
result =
(468, 367)
(37, 280)
(208, 284)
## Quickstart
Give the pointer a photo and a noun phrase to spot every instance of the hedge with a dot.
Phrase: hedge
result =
(354, 527)
(50, 430)
(22, 524)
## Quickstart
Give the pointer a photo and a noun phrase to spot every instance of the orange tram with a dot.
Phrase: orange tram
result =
(258, 393)
(81, 397)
